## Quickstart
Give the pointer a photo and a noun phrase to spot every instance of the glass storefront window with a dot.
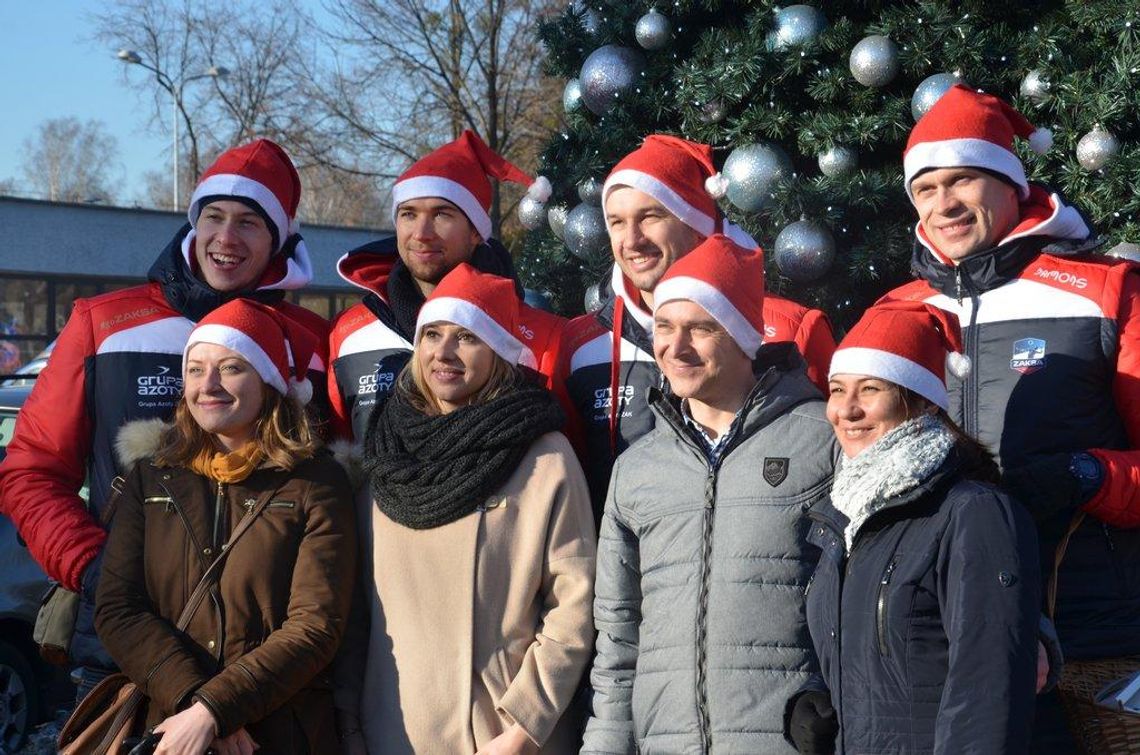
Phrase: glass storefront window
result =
(23, 306)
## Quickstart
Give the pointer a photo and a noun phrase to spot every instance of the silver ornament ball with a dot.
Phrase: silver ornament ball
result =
(1035, 87)
(590, 191)
(653, 30)
(556, 216)
(796, 25)
(1125, 250)
(713, 112)
(591, 19)
(592, 301)
(1097, 148)
(585, 231)
(930, 90)
(572, 96)
(874, 61)
(753, 170)
(838, 161)
(531, 213)
(805, 251)
(609, 72)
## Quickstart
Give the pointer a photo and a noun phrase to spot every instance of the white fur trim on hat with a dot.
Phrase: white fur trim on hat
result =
(671, 200)
(419, 187)
(464, 313)
(964, 153)
(234, 185)
(249, 350)
(886, 365)
(716, 304)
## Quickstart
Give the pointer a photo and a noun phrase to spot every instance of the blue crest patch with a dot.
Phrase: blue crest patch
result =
(1028, 355)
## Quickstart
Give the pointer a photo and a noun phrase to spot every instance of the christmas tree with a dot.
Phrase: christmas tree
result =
(809, 108)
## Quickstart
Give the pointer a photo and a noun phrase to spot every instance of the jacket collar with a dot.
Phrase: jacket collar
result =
(636, 325)
(1049, 225)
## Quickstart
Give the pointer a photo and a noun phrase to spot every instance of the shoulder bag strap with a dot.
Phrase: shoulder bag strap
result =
(1051, 592)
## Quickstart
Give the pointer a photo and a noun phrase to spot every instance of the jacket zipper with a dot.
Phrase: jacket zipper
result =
(970, 338)
(881, 608)
(702, 610)
(219, 512)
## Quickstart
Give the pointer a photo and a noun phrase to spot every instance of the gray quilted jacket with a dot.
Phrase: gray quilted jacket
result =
(699, 600)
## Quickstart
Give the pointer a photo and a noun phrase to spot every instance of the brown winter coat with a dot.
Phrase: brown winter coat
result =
(257, 650)
(483, 622)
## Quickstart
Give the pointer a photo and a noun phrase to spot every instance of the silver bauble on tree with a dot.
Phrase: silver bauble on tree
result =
(1035, 87)
(653, 30)
(796, 25)
(585, 231)
(713, 111)
(874, 61)
(838, 161)
(930, 90)
(805, 251)
(591, 19)
(1125, 250)
(1097, 148)
(556, 216)
(592, 301)
(532, 213)
(590, 191)
(607, 73)
(752, 171)
(572, 96)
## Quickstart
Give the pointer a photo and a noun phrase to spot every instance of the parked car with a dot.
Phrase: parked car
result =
(33, 367)
(30, 689)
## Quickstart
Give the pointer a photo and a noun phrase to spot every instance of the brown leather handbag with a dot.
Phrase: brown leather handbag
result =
(114, 709)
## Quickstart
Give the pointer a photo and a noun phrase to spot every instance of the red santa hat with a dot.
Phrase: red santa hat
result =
(727, 281)
(260, 174)
(459, 172)
(679, 174)
(907, 343)
(968, 129)
(484, 304)
(278, 347)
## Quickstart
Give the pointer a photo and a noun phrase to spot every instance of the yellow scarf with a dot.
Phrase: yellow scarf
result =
(228, 466)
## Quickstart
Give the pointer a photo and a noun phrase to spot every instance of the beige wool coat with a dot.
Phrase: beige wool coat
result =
(480, 623)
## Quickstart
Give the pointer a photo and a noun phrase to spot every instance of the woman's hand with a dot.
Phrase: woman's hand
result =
(513, 741)
(187, 733)
(238, 743)
(1042, 666)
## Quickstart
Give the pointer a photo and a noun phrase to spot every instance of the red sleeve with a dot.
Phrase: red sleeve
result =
(46, 462)
(817, 344)
(1118, 500)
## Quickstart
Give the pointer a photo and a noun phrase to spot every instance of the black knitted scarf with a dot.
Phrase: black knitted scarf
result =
(427, 471)
(405, 300)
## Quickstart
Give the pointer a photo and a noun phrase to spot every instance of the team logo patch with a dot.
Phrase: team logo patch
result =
(775, 470)
(1028, 355)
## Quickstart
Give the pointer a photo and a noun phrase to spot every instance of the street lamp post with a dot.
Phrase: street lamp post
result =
(175, 88)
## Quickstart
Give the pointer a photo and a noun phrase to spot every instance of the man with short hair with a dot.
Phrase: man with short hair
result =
(1053, 333)
(658, 208)
(119, 358)
(440, 208)
(702, 556)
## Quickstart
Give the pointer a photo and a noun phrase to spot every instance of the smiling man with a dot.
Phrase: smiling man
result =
(702, 560)
(440, 207)
(658, 209)
(119, 358)
(1053, 333)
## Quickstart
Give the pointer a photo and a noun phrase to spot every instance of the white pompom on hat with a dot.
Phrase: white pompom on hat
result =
(908, 343)
(460, 172)
(727, 281)
(968, 129)
(278, 347)
(485, 304)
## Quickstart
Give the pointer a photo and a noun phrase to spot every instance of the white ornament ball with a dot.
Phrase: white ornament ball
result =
(532, 213)
(592, 301)
(1035, 87)
(609, 72)
(556, 216)
(1097, 148)
(805, 251)
(929, 91)
(590, 191)
(796, 25)
(572, 96)
(838, 161)
(653, 30)
(874, 61)
(753, 170)
(585, 232)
